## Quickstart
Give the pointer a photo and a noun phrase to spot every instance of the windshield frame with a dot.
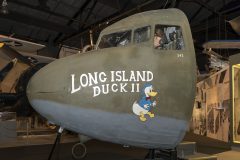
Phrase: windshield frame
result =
(115, 32)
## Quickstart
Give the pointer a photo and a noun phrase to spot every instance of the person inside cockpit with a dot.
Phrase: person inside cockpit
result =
(159, 39)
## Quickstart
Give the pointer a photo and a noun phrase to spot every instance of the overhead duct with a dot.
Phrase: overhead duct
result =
(235, 23)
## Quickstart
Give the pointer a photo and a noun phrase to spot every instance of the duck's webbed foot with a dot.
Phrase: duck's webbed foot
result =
(142, 117)
(150, 114)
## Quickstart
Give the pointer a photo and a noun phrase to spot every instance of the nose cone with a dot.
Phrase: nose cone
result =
(47, 85)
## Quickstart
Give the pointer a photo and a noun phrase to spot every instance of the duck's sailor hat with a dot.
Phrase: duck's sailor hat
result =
(147, 85)
(143, 89)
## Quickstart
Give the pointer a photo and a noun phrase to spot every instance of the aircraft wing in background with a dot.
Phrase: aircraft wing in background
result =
(222, 44)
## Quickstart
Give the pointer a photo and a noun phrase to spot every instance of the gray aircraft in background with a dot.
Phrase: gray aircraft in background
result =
(137, 87)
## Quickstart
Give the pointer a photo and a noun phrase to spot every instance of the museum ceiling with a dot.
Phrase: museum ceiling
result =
(67, 22)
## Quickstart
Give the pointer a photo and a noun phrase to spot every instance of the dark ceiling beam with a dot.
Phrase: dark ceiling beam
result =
(212, 23)
(202, 3)
(166, 5)
(170, 4)
(123, 6)
(173, 4)
(163, 5)
(77, 14)
(43, 4)
(89, 13)
(208, 7)
(111, 3)
(177, 4)
(111, 18)
(213, 31)
(29, 20)
(216, 22)
(37, 8)
(197, 12)
(230, 7)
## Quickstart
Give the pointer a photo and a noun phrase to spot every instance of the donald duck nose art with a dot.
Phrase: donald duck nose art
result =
(144, 105)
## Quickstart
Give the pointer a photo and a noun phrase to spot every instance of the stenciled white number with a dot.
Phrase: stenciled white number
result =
(180, 55)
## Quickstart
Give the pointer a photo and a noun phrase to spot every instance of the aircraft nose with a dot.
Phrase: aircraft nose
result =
(46, 85)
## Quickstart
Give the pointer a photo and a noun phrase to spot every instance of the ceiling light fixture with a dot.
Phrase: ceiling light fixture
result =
(4, 8)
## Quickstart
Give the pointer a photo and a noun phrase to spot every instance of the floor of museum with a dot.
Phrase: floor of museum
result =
(38, 148)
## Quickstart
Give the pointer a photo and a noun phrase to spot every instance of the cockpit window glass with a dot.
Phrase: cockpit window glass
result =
(141, 34)
(115, 39)
(168, 37)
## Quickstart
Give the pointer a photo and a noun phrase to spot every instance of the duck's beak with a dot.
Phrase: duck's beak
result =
(152, 94)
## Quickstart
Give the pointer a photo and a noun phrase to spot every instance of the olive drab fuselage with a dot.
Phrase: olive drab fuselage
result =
(133, 94)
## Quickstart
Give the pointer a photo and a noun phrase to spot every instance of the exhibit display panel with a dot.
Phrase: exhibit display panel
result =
(211, 113)
(7, 126)
(236, 102)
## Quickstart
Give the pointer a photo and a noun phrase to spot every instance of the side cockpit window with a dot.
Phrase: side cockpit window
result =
(168, 37)
(141, 34)
(115, 39)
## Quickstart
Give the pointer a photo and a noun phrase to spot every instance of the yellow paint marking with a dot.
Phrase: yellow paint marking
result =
(1, 45)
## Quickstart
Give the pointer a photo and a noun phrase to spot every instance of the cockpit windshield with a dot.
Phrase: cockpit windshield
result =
(115, 39)
(168, 37)
(141, 34)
